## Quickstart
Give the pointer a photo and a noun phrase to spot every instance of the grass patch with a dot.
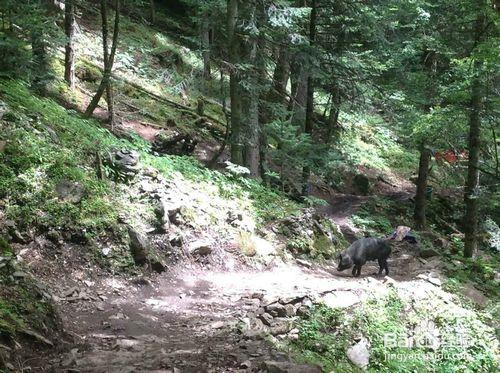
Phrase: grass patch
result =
(327, 333)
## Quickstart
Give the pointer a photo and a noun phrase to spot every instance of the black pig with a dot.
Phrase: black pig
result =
(360, 251)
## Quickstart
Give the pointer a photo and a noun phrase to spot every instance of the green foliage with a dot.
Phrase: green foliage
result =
(266, 203)
(381, 215)
(326, 334)
(480, 271)
(23, 306)
(47, 144)
(5, 248)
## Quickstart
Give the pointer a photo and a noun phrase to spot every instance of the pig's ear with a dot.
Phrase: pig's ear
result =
(339, 257)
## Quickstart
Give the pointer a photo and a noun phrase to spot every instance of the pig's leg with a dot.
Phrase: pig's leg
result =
(354, 270)
(381, 265)
(386, 268)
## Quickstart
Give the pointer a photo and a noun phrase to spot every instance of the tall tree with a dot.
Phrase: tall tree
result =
(310, 97)
(108, 61)
(69, 29)
(475, 106)
(152, 11)
(421, 195)
(234, 82)
(205, 43)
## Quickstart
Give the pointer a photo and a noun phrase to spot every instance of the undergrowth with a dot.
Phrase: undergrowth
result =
(399, 334)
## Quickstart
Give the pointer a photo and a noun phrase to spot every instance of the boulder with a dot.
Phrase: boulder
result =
(276, 310)
(200, 247)
(289, 310)
(161, 212)
(359, 354)
(139, 246)
(124, 163)
(266, 318)
(69, 191)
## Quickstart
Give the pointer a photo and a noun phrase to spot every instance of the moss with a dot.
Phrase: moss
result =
(87, 72)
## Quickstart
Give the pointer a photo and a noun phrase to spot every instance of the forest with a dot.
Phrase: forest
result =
(186, 185)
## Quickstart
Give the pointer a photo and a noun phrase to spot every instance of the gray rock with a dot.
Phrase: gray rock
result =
(161, 213)
(200, 247)
(124, 162)
(359, 354)
(276, 310)
(303, 311)
(69, 191)
(289, 310)
(287, 367)
(139, 246)
(266, 318)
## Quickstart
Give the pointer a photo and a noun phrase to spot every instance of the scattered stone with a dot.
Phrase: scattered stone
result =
(162, 215)
(247, 364)
(359, 354)
(276, 310)
(69, 191)
(303, 311)
(266, 318)
(139, 246)
(19, 275)
(441, 242)
(200, 247)
(434, 280)
(289, 310)
(124, 162)
(217, 325)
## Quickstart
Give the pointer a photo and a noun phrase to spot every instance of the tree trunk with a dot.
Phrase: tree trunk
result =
(108, 61)
(40, 61)
(152, 11)
(472, 183)
(277, 93)
(234, 90)
(205, 45)
(308, 128)
(420, 198)
(299, 78)
(333, 118)
(69, 56)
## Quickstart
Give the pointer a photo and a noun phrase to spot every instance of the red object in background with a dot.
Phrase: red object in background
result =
(450, 156)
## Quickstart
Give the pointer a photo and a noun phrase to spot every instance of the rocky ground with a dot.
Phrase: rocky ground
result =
(197, 320)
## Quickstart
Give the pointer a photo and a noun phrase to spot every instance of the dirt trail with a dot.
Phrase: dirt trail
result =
(190, 321)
